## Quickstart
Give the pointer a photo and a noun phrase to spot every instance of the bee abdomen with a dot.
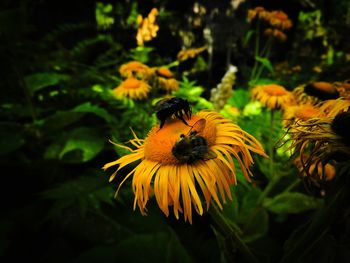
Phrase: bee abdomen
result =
(198, 141)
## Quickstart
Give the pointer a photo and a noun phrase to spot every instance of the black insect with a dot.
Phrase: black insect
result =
(193, 147)
(321, 90)
(173, 107)
(341, 126)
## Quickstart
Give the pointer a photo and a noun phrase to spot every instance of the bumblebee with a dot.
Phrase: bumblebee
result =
(192, 147)
(340, 125)
(322, 90)
(173, 107)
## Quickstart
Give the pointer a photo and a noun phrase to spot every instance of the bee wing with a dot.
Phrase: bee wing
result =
(198, 126)
(209, 155)
(158, 105)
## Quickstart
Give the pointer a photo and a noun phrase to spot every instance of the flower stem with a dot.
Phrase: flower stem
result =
(292, 185)
(274, 179)
(271, 146)
(256, 51)
(266, 54)
(231, 234)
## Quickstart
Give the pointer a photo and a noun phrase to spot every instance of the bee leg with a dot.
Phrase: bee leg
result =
(162, 122)
(180, 116)
(188, 113)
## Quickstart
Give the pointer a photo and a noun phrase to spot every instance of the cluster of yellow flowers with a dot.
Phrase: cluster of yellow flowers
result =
(276, 33)
(277, 20)
(315, 99)
(139, 79)
(147, 27)
(308, 113)
(185, 54)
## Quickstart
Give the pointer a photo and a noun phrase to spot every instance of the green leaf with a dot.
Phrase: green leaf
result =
(239, 98)
(252, 220)
(247, 37)
(61, 119)
(84, 194)
(200, 64)
(90, 108)
(257, 226)
(39, 81)
(64, 118)
(82, 144)
(132, 18)
(292, 203)
(79, 145)
(11, 137)
(141, 54)
(266, 62)
(195, 91)
(155, 247)
(176, 252)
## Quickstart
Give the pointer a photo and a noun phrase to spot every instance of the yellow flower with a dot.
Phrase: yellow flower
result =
(272, 96)
(166, 79)
(232, 111)
(301, 97)
(317, 172)
(301, 112)
(278, 34)
(189, 53)
(331, 108)
(319, 139)
(177, 183)
(164, 72)
(343, 88)
(259, 12)
(277, 18)
(317, 69)
(280, 20)
(132, 88)
(147, 27)
(135, 69)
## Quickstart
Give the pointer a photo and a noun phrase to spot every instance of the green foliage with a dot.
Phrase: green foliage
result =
(292, 203)
(190, 91)
(79, 145)
(161, 247)
(132, 18)
(141, 54)
(200, 64)
(38, 81)
(84, 193)
(251, 219)
(98, 111)
(103, 15)
(312, 24)
(240, 98)
(11, 137)
(257, 122)
(265, 62)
